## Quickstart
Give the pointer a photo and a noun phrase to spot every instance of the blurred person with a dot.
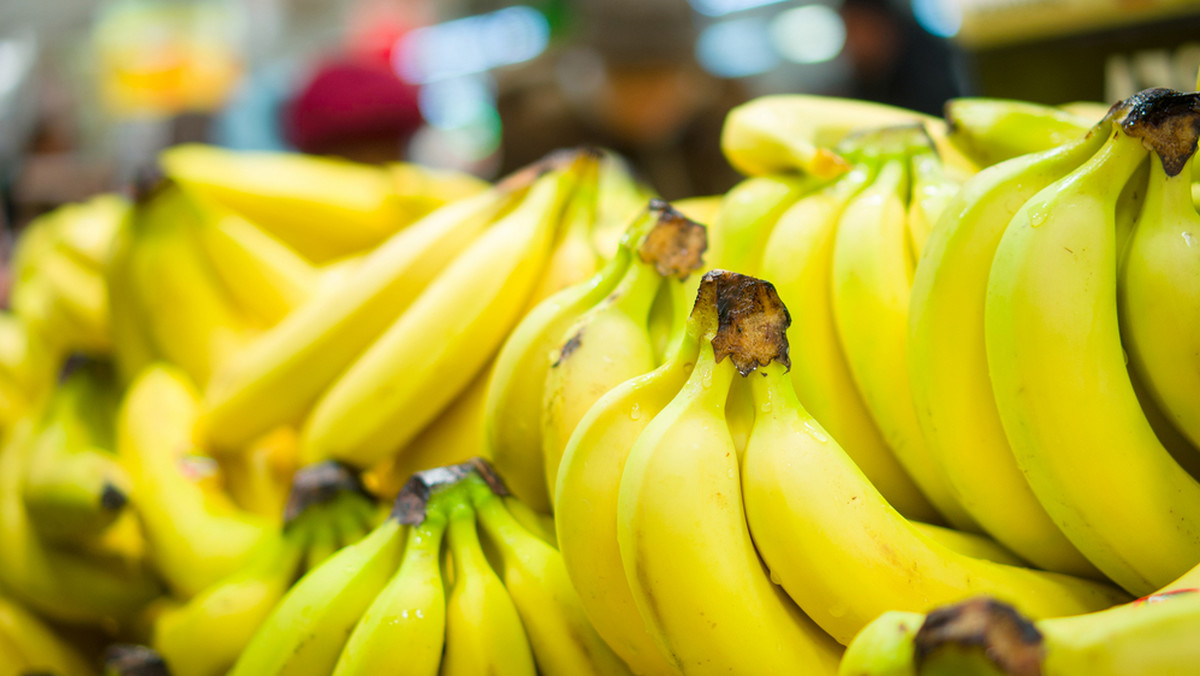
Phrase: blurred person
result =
(626, 80)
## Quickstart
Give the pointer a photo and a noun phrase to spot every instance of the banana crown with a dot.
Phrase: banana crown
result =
(743, 318)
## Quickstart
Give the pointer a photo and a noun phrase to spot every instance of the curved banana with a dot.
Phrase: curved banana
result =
(87, 230)
(28, 368)
(515, 391)
(798, 260)
(790, 132)
(932, 190)
(260, 478)
(610, 343)
(133, 346)
(573, 258)
(306, 632)
(585, 505)
(435, 348)
(747, 214)
(1159, 301)
(264, 276)
(562, 638)
(195, 536)
(322, 207)
(947, 359)
(279, 376)
(990, 131)
(871, 275)
(621, 197)
(404, 628)
(1058, 366)
(843, 553)
(973, 545)
(680, 504)
(484, 634)
(33, 646)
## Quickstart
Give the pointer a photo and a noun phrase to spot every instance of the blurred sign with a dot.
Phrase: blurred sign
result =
(164, 57)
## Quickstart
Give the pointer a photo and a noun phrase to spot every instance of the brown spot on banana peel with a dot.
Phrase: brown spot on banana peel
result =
(568, 348)
(675, 246)
(112, 499)
(1166, 121)
(751, 321)
(1007, 639)
(123, 659)
(410, 504)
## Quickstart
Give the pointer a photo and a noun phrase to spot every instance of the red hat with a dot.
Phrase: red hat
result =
(351, 100)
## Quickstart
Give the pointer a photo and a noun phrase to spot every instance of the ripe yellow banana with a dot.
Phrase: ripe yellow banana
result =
(700, 587)
(610, 343)
(259, 479)
(515, 391)
(133, 346)
(573, 257)
(191, 319)
(795, 132)
(990, 131)
(438, 345)
(799, 260)
(932, 190)
(620, 198)
(324, 208)
(747, 214)
(265, 277)
(404, 628)
(1058, 366)
(484, 634)
(843, 553)
(28, 365)
(562, 638)
(585, 506)
(947, 367)
(195, 536)
(279, 377)
(86, 230)
(871, 274)
(1159, 299)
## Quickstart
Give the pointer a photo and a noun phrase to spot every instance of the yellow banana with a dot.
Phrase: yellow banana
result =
(947, 360)
(562, 638)
(1159, 299)
(747, 214)
(871, 274)
(990, 131)
(1058, 367)
(86, 231)
(621, 198)
(34, 646)
(259, 479)
(195, 537)
(429, 188)
(435, 348)
(680, 503)
(278, 378)
(322, 207)
(133, 346)
(610, 343)
(484, 634)
(585, 506)
(799, 260)
(573, 258)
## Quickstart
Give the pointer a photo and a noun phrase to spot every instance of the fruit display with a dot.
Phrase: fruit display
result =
(917, 396)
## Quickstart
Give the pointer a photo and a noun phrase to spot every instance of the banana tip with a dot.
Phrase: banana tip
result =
(993, 629)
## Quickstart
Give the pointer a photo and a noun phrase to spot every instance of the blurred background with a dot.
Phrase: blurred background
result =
(91, 90)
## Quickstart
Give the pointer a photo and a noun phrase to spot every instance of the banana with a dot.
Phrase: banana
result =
(798, 260)
(204, 636)
(610, 343)
(1058, 367)
(404, 628)
(435, 348)
(932, 191)
(990, 131)
(192, 321)
(265, 277)
(585, 506)
(56, 583)
(679, 506)
(33, 646)
(947, 359)
(700, 209)
(428, 188)
(515, 390)
(28, 365)
(259, 479)
(195, 536)
(871, 274)
(747, 214)
(86, 231)
(133, 346)
(484, 634)
(322, 207)
(621, 198)
(562, 639)
(796, 132)
(972, 545)
(279, 377)
(307, 631)
(842, 552)
(1159, 301)
(127, 659)
(884, 647)
(573, 258)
